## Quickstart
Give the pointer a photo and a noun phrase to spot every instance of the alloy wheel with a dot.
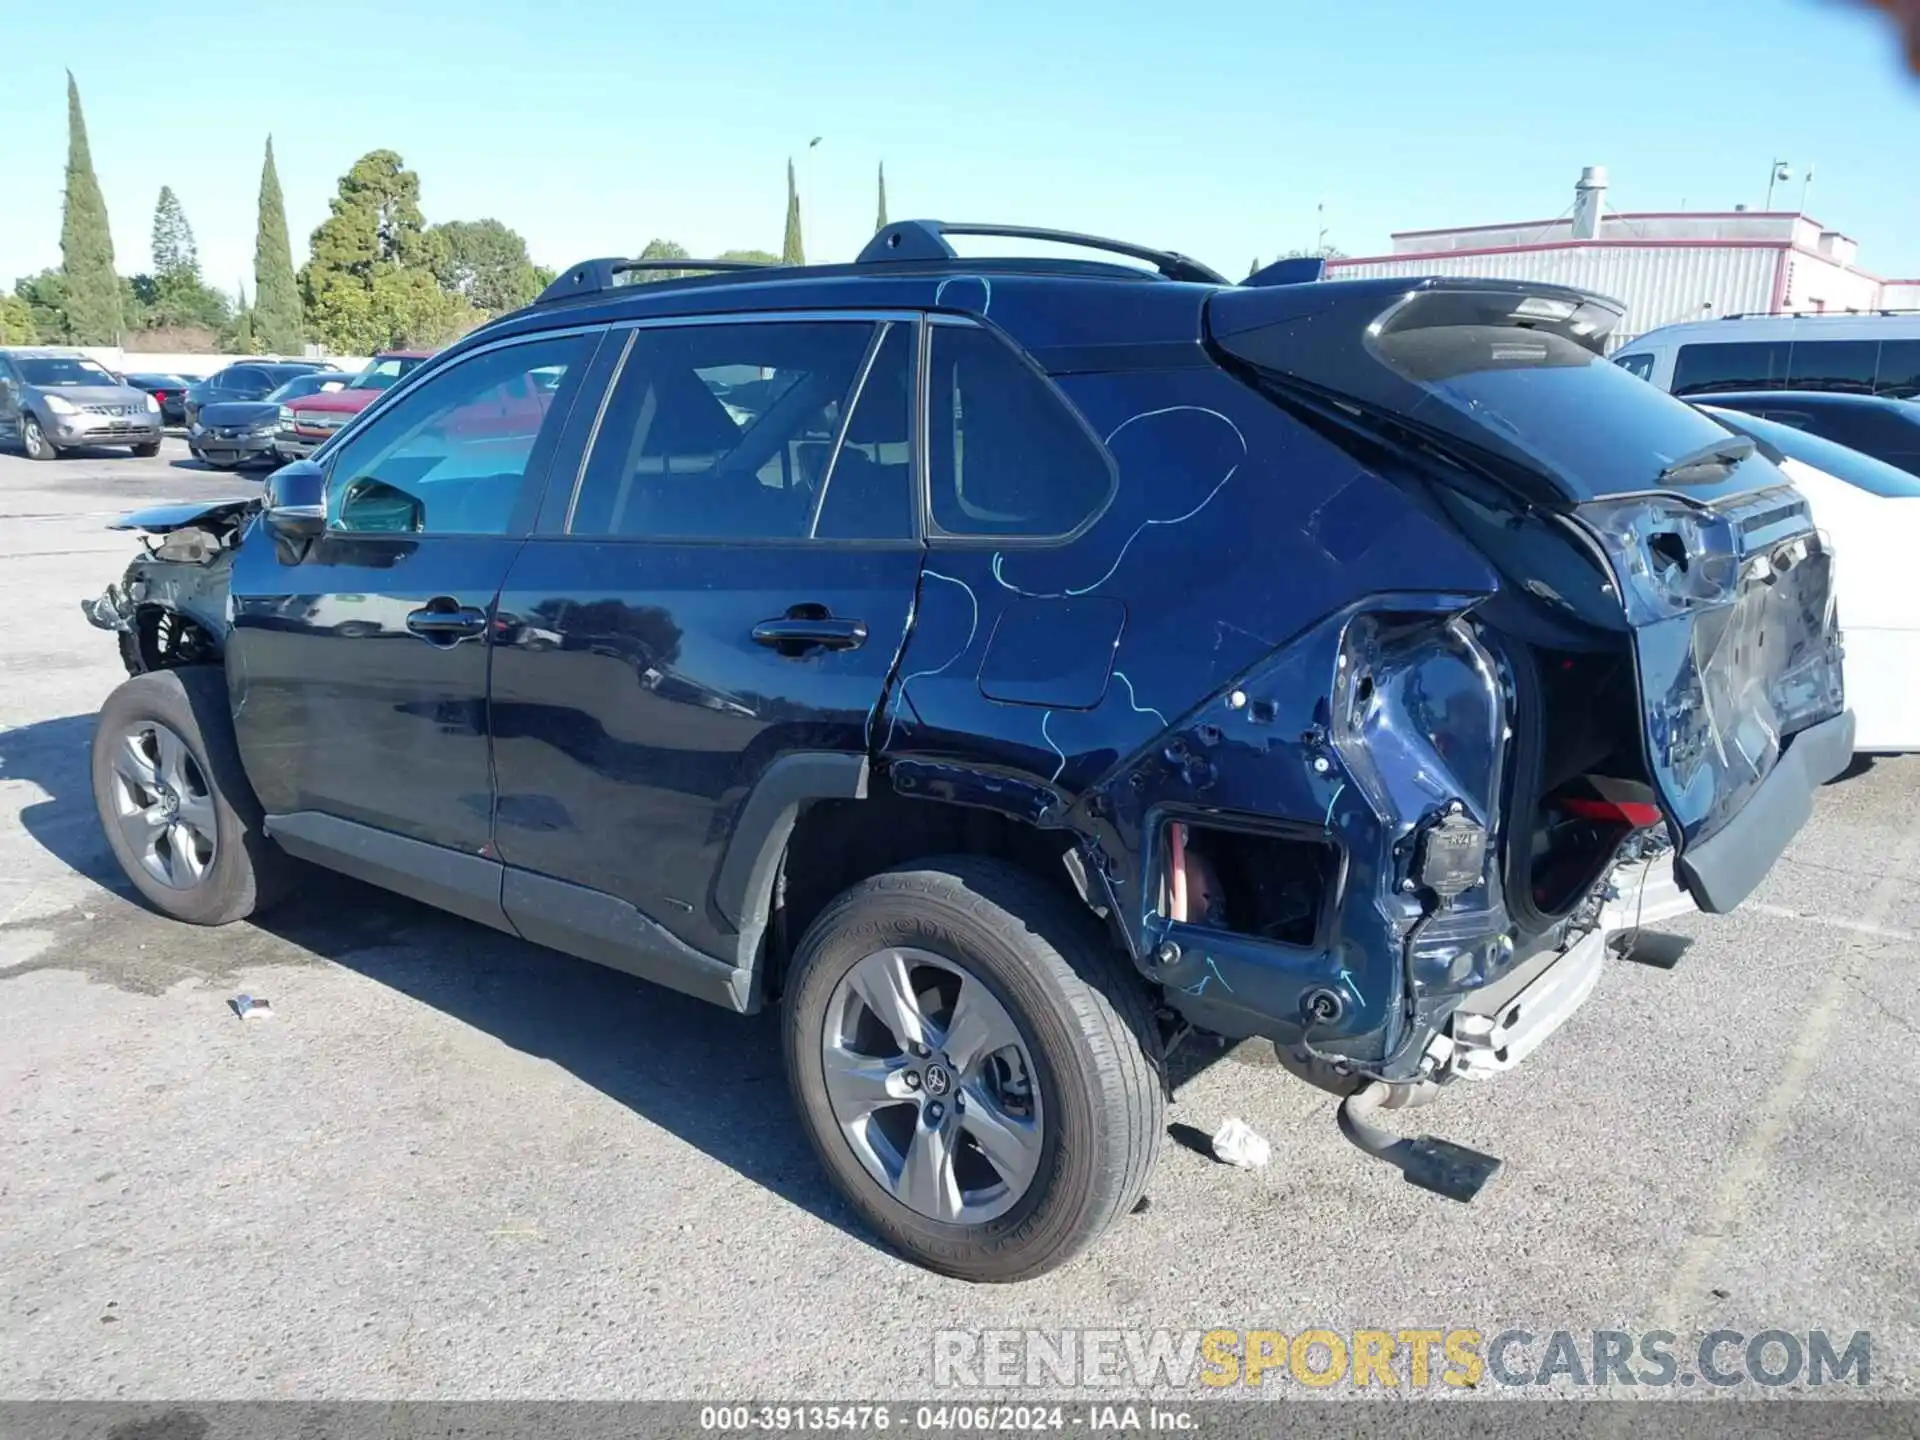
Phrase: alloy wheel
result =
(933, 1086)
(164, 805)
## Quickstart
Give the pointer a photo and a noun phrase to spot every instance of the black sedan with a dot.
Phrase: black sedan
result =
(247, 380)
(1876, 425)
(230, 433)
(168, 391)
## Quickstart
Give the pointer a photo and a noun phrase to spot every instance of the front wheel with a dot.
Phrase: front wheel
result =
(148, 451)
(976, 1067)
(34, 440)
(178, 811)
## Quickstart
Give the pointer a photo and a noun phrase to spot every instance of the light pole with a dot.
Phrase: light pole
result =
(812, 145)
(1781, 173)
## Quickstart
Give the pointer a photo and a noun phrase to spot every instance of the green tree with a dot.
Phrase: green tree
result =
(485, 262)
(242, 335)
(16, 321)
(792, 252)
(174, 294)
(93, 314)
(370, 284)
(657, 249)
(758, 257)
(276, 318)
(45, 296)
(880, 217)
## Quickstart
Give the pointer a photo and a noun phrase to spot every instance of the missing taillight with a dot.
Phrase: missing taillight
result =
(1270, 886)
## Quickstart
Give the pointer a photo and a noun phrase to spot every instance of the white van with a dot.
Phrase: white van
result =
(1861, 354)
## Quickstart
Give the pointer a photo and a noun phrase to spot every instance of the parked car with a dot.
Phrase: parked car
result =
(169, 391)
(232, 433)
(53, 400)
(1855, 354)
(1872, 511)
(1888, 430)
(311, 422)
(247, 380)
(1059, 659)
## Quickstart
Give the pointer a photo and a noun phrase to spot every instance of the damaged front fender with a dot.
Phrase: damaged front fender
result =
(170, 607)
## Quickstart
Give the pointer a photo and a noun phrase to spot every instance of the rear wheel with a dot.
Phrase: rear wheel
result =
(34, 440)
(178, 811)
(976, 1068)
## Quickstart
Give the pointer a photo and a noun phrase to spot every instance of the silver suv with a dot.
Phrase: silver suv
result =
(56, 399)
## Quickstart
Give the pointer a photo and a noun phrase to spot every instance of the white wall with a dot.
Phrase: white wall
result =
(195, 367)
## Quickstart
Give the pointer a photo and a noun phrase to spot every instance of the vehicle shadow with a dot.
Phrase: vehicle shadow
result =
(712, 1078)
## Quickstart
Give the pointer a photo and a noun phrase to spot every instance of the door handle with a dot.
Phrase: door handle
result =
(796, 634)
(444, 621)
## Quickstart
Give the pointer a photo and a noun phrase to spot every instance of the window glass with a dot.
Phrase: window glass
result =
(869, 493)
(450, 458)
(63, 371)
(1743, 365)
(1876, 477)
(1638, 366)
(1008, 456)
(1898, 374)
(1833, 365)
(246, 377)
(725, 432)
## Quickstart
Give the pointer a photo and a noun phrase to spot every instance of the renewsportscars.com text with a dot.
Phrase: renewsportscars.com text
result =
(1397, 1359)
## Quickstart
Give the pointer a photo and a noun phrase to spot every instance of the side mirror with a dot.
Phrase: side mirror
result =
(296, 508)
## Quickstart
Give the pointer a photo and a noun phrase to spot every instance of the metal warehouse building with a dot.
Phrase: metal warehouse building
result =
(1665, 266)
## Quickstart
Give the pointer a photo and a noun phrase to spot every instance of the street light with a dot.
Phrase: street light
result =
(1780, 174)
(811, 146)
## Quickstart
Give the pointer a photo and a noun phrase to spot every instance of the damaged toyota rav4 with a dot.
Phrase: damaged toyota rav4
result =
(1007, 668)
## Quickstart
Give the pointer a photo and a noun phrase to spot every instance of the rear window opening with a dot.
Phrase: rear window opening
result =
(1589, 791)
(1263, 885)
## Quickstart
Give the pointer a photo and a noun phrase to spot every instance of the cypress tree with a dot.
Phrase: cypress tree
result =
(86, 243)
(276, 320)
(880, 219)
(176, 258)
(792, 252)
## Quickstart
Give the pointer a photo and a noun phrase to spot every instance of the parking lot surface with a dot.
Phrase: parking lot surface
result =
(454, 1165)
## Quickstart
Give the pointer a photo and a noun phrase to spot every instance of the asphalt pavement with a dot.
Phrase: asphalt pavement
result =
(454, 1165)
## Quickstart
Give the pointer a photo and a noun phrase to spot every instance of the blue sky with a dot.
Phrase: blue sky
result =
(1214, 129)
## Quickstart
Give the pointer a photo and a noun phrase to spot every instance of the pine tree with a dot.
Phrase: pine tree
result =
(86, 243)
(276, 318)
(792, 252)
(880, 220)
(175, 257)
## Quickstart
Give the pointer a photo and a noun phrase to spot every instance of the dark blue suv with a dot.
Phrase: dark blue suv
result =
(1009, 668)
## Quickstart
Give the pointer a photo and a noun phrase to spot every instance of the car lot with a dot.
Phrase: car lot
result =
(454, 1165)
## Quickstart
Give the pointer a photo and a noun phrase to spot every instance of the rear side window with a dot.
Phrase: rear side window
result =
(1735, 365)
(1008, 457)
(1638, 366)
(1898, 375)
(1844, 365)
(727, 432)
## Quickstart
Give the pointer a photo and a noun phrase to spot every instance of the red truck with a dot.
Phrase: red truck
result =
(308, 423)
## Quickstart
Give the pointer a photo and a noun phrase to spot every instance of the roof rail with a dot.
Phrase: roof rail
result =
(924, 240)
(591, 276)
(1862, 312)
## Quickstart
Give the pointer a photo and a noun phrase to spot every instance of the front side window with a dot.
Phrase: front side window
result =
(383, 373)
(1638, 366)
(728, 432)
(63, 372)
(1898, 374)
(1008, 457)
(453, 456)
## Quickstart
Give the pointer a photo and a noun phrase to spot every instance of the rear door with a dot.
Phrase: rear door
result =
(730, 583)
(359, 670)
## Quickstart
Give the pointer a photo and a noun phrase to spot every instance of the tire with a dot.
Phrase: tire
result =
(1095, 1102)
(34, 440)
(147, 452)
(214, 464)
(240, 872)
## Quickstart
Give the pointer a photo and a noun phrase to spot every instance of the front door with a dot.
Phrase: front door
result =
(359, 673)
(731, 582)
